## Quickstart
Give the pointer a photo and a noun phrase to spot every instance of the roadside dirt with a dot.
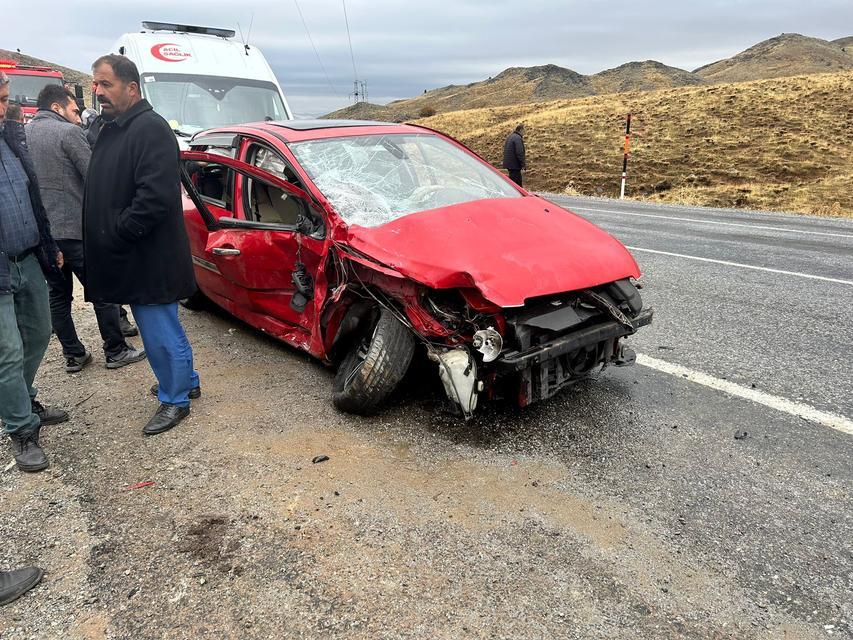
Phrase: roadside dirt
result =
(417, 526)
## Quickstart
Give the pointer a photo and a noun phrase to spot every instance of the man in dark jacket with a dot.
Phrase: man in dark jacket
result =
(61, 155)
(514, 154)
(28, 254)
(136, 246)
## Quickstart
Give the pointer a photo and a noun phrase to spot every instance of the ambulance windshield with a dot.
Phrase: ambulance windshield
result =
(191, 103)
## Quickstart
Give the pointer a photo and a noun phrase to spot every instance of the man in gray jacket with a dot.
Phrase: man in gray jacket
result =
(61, 156)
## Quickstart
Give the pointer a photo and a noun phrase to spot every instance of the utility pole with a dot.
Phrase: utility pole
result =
(359, 91)
(625, 157)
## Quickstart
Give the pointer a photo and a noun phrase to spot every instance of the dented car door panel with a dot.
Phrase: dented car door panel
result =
(248, 268)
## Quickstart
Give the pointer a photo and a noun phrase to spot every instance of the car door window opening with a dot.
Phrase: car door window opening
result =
(265, 203)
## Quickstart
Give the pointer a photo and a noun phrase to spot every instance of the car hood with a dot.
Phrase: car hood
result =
(510, 249)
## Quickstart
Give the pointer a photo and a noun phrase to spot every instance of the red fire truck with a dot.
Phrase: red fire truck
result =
(25, 82)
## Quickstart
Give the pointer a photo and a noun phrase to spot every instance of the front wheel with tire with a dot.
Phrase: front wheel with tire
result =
(374, 366)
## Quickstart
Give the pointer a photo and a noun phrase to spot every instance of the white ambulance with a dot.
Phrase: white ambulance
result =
(200, 77)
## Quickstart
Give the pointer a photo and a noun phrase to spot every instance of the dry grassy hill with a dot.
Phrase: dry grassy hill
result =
(789, 54)
(642, 76)
(69, 75)
(521, 85)
(776, 144)
(786, 55)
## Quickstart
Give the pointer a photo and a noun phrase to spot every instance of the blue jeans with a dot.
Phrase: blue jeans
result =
(169, 352)
(24, 334)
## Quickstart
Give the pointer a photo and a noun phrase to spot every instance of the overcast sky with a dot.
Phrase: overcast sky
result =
(402, 48)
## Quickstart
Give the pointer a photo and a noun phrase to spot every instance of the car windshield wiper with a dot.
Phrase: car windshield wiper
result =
(395, 149)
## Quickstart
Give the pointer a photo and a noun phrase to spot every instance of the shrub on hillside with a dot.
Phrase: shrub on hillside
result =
(427, 112)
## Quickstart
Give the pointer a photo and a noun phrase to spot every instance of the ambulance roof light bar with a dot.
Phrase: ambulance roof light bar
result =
(187, 28)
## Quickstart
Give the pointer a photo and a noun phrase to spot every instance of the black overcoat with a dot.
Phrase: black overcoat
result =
(136, 244)
(514, 152)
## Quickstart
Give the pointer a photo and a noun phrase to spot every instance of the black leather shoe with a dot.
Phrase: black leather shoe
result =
(126, 357)
(49, 415)
(28, 454)
(14, 584)
(73, 364)
(165, 418)
(194, 394)
(127, 329)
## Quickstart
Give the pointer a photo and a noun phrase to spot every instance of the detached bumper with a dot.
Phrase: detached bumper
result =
(521, 360)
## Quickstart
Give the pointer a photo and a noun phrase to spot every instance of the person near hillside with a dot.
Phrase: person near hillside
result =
(136, 246)
(61, 155)
(514, 154)
(28, 254)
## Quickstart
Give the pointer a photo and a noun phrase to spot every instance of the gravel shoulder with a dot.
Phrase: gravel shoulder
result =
(622, 508)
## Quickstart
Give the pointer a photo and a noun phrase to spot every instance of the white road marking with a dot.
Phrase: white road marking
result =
(743, 266)
(831, 420)
(727, 224)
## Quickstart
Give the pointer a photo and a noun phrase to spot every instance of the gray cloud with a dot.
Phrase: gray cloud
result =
(403, 48)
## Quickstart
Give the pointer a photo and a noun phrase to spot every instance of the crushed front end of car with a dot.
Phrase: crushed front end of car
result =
(529, 353)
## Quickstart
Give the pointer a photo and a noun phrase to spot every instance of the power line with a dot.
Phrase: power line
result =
(316, 53)
(351, 55)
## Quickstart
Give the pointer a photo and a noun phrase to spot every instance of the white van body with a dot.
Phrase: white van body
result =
(199, 81)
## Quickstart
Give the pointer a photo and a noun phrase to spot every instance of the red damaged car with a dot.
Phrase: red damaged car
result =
(360, 241)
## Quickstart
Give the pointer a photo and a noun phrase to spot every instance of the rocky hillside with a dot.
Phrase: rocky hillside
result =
(768, 144)
(845, 43)
(642, 76)
(788, 54)
(522, 85)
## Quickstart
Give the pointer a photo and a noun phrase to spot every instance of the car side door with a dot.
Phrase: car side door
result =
(266, 254)
(211, 198)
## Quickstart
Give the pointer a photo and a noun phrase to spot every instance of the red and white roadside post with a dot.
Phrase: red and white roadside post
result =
(625, 157)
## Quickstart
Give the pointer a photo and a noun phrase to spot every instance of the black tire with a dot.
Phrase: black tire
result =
(196, 302)
(374, 366)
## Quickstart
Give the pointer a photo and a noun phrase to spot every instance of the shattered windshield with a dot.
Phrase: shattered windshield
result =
(371, 180)
(191, 103)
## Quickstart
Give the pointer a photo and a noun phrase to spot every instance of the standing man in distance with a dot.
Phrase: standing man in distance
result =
(61, 155)
(28, 254)
(136, 246)
(514, 154)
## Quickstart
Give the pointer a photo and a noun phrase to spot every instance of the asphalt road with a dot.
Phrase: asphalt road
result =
(789, 334)
(641, 504)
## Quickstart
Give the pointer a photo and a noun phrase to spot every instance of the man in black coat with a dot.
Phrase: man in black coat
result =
(514, 154)
(136, 246)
